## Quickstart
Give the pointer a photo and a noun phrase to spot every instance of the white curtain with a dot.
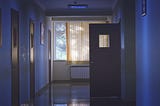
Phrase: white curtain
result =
(77, 42)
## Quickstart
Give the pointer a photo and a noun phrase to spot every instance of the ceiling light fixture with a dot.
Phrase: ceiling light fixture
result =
(75, 5)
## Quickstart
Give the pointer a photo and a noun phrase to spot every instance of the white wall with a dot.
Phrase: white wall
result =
(61, 70)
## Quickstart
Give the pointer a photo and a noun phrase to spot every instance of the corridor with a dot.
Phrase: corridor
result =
(43, 41)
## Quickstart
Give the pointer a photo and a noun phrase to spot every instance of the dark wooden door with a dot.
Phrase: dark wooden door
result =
(15, 56)
(105, 65)
(32, 61)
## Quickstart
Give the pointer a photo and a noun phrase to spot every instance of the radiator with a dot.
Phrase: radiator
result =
(79, 72)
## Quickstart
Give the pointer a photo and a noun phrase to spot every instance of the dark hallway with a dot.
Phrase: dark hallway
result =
(49, 56)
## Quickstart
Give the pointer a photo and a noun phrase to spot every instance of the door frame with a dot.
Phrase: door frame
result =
(49, 67)
(49, 55)
(15, 83)
(32, 59)
(0, 28)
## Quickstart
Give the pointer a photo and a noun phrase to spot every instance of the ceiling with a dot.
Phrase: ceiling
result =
(60, 7)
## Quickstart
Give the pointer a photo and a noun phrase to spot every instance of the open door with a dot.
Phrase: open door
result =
(32, 61)
(105, 66)
(15, 56)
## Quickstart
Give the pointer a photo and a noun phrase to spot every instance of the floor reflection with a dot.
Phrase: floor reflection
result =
(72, 94)
(64, 94)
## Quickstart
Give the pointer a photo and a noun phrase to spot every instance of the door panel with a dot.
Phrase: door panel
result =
(32, 61)
(105, 60)
(15, 56)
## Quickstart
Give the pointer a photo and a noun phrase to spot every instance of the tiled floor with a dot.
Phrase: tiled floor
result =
(72, 94)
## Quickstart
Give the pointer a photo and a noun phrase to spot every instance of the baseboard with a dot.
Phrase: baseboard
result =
(40, 91)
(61, 81)
(72, 81)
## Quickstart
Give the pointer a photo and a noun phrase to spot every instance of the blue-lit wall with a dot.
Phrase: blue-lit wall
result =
(148, 54)
(5, 57)
(27, 10)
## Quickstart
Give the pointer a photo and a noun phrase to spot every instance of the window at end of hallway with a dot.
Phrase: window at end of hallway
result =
(60, 41)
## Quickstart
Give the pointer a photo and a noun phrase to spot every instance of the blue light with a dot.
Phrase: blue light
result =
(78, 6)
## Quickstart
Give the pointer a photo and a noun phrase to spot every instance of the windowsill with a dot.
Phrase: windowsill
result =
(79, 65)
(59, 60)
(74, 65)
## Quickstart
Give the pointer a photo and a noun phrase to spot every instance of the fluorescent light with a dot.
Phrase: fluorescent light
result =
(78, 6)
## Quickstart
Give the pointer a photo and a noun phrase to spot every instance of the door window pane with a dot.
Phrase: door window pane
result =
(104, 41)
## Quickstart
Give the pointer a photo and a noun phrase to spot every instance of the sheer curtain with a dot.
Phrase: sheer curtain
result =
(77, 42)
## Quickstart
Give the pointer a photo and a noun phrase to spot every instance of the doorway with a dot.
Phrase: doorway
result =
(49, 55)
(32, 60)
(15, 56)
